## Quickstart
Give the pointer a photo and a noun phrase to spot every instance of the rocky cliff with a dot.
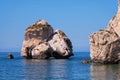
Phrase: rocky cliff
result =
(40, 41)
(105, 44)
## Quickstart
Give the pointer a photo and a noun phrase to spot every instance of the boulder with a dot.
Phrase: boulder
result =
(10, 56)
(37, 33)
(105, 44)
(42, 51)
(61, 45)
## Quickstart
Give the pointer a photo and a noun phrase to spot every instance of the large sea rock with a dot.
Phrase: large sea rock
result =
(41, 42)
(105, 44)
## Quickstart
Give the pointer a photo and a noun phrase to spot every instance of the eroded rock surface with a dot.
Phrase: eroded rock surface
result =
(101, 45)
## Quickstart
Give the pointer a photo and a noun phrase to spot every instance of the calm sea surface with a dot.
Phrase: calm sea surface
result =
(56, 69)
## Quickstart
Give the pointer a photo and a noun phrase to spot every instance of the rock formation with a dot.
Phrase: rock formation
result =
(105, 44)
(41, 42)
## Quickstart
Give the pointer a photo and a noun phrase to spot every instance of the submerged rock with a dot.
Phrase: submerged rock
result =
(85, 61)
(105, 44)
(41, 42)
(10, 56)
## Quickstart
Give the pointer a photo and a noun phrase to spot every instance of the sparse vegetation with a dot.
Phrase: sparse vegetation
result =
(37, 26)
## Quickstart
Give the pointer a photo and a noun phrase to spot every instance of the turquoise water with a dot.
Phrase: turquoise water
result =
(56, 69)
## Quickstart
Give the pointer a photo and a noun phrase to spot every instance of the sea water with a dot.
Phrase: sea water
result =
(20, 68)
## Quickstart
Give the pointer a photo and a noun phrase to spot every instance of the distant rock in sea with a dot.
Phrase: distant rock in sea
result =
(10, 56)
(105, 44)
(40, 41)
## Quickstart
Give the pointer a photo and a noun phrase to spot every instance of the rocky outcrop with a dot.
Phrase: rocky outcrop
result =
(41, 42)
(105, 44)
(61, 45)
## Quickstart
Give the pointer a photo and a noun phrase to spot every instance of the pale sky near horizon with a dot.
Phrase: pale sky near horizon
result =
(77, 18)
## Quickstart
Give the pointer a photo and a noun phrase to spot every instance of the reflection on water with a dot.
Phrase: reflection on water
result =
(71, 69)
(105, 72)
(54, 69)
(44, 69)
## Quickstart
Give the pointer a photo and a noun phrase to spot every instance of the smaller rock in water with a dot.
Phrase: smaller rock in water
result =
(10, 56)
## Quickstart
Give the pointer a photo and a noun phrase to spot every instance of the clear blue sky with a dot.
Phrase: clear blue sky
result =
(77, 18)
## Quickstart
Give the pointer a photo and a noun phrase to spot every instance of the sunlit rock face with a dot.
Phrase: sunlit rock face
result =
(40, 41)
(105, 44)
(61, 45)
